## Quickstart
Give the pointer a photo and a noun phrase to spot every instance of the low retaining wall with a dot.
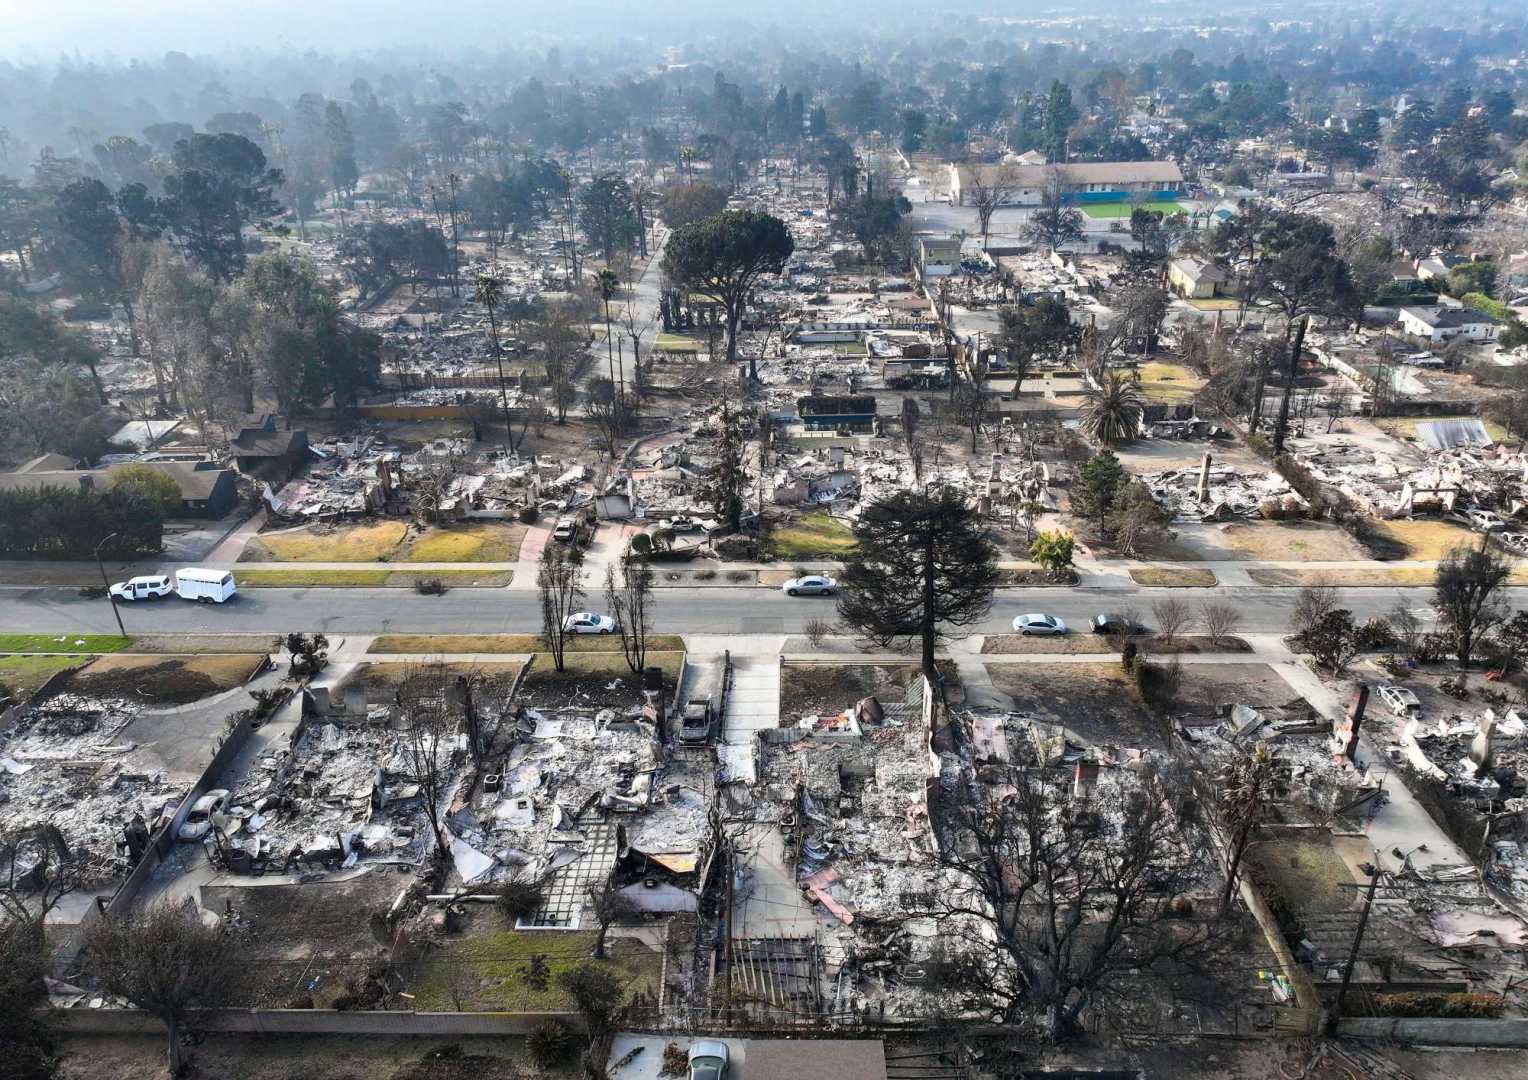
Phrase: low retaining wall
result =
(312, 1022)
(1437, 1031)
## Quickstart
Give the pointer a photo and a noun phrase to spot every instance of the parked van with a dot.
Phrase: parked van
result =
(205, 586)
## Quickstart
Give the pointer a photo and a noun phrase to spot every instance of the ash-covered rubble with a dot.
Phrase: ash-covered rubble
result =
(346, 793)
(849, 795)
(64, 764)
(350, 477)
(1481, 759)
(1220, 493)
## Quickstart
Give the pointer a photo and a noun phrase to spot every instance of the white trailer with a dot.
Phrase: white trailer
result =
(205, 586)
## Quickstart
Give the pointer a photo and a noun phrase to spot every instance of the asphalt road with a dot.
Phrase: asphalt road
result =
(718, 610)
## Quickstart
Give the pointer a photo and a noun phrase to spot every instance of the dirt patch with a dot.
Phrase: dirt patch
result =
(314, 1057)
(1010, 577)
(154, 680)
(1093, 700)
(1206, 687)
(1071, 645)
(183, 645)
(1170, 577)
(308, 939)
(824, 689)
(382, 680)
(1106, 644)
(593, 680)
(1307, 871)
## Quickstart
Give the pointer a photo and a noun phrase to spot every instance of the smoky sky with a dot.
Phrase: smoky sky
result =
(123, 30)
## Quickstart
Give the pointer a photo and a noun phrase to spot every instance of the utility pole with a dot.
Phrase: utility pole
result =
(107, 584)
(1358, 938)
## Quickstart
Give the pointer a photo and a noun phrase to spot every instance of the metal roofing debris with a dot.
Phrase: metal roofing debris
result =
(1449, 434)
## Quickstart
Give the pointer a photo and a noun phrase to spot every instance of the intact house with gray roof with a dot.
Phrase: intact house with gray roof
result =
(1441, 324)
(206, 491)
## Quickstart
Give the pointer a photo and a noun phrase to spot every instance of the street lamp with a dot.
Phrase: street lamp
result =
(102, 567)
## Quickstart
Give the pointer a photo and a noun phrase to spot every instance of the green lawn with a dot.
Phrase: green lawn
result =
(811, 536)
(24, 675)
(678, 343)
(63, 643)
(487, 972)
(1122, 209)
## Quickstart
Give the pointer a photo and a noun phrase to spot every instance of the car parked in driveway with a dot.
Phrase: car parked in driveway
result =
(1401, 701)
(1037, 624)
(150, 587)
(198, 822)
(565, 530)
(709, 1060)
(811, 585)
(587, 622)
(695, 722)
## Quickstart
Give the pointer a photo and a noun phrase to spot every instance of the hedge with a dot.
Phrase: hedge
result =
(68, 523)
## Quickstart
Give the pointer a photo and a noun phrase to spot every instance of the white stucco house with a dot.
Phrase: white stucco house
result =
(1440, 324)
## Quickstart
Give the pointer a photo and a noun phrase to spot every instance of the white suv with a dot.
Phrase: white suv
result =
(151, 587)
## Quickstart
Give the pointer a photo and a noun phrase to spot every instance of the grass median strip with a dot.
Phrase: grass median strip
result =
(512, 643)
(63, 643)
(1173, 577)
(298, 577)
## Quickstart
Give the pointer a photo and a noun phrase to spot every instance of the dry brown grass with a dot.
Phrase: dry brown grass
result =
(480, 543)
(1274, 541)
(1427, 540)
(1173, 577)
(368, 542)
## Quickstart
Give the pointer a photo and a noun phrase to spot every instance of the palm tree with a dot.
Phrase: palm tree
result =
(1113, 413)
(490, 293)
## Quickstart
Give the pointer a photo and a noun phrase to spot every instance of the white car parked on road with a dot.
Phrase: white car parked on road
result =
(811, 585)
(151, 587)
(587, 622)
(1038, 624)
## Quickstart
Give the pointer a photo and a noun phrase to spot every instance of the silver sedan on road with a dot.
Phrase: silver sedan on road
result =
(1038, 624)
(811, 585)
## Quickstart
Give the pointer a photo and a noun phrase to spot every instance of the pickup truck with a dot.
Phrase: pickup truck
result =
(695, 721)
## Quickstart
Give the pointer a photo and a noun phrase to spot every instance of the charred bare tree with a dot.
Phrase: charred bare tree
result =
(558, 582)
(166, 961)
(429, 730)
(1053, 905)
(630, 603)
(609, 905)
(989, 188)
(40, 870)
